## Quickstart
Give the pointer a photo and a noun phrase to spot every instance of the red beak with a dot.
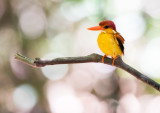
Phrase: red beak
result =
(96, 28)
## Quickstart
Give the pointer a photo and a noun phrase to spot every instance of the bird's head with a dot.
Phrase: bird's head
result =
(104, 25)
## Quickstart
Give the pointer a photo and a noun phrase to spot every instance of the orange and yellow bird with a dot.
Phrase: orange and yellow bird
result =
(109, 40)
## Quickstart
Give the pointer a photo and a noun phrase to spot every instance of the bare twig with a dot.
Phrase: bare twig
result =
(89, 59)
(25, 59)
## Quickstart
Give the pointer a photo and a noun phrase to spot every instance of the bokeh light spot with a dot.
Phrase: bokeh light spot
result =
(130, 26)
(149, 62)
(25, 97)
(102, 68)
(125, 6)
(62, 99)
(92, 104)
(152, 8)
(129, 104)
(80, 80)
(152, 105)
(72, 12)
(104, 87)
(62, 43)
(54, 72)
(33, 21)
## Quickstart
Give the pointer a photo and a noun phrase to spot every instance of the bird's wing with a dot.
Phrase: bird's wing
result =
(120, 40)
(118, 36)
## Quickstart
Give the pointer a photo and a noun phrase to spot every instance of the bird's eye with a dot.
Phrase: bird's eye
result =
(106, 27)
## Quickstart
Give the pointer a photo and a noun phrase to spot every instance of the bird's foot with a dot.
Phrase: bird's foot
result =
(103, 58)
(114, 60)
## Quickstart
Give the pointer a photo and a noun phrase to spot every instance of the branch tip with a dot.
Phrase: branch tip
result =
(24, 59)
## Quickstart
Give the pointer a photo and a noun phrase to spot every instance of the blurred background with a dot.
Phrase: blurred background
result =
(57, 28)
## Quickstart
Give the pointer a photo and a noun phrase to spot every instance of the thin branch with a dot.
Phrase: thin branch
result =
(25, 59)
(92, 58)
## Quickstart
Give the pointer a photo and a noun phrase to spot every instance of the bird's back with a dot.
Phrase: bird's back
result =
(108, 43)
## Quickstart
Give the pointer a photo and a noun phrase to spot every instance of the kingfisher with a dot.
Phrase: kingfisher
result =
(109, 40)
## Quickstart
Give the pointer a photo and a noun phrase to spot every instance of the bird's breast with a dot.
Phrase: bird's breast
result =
(105, 39)
(108, 44)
